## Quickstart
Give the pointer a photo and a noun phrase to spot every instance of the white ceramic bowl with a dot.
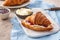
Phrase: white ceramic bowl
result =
(5, 15)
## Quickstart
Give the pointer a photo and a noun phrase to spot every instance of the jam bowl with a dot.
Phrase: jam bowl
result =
(4, 12)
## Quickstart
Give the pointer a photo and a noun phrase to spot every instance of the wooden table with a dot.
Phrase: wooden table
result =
(6, 26)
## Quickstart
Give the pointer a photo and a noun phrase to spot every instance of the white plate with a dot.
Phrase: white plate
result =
(25, 4)
(32, 33)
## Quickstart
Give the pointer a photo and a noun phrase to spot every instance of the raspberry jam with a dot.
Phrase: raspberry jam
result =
(30, 22)
(3, 11)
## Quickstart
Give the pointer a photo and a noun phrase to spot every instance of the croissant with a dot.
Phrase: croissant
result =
(37, 22)
(14, 2)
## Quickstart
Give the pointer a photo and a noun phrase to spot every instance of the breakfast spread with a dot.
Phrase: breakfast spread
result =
(37, 22)
(14, 2)
(23, 12)
(34, 23)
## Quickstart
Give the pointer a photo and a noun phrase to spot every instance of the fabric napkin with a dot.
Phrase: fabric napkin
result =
(17, 32)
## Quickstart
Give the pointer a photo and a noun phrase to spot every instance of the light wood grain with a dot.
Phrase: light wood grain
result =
(5, 28)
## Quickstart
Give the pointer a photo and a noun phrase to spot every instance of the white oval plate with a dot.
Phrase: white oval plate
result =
(32, 33)
(23, 5)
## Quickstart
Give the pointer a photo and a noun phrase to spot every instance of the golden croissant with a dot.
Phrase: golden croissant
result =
(37, 22)
(14, 2)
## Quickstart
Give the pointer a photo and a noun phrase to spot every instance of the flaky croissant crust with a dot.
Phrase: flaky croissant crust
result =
(37, 22)
(14, 2)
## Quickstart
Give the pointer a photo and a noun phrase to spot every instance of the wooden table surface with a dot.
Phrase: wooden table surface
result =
(6, 26)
